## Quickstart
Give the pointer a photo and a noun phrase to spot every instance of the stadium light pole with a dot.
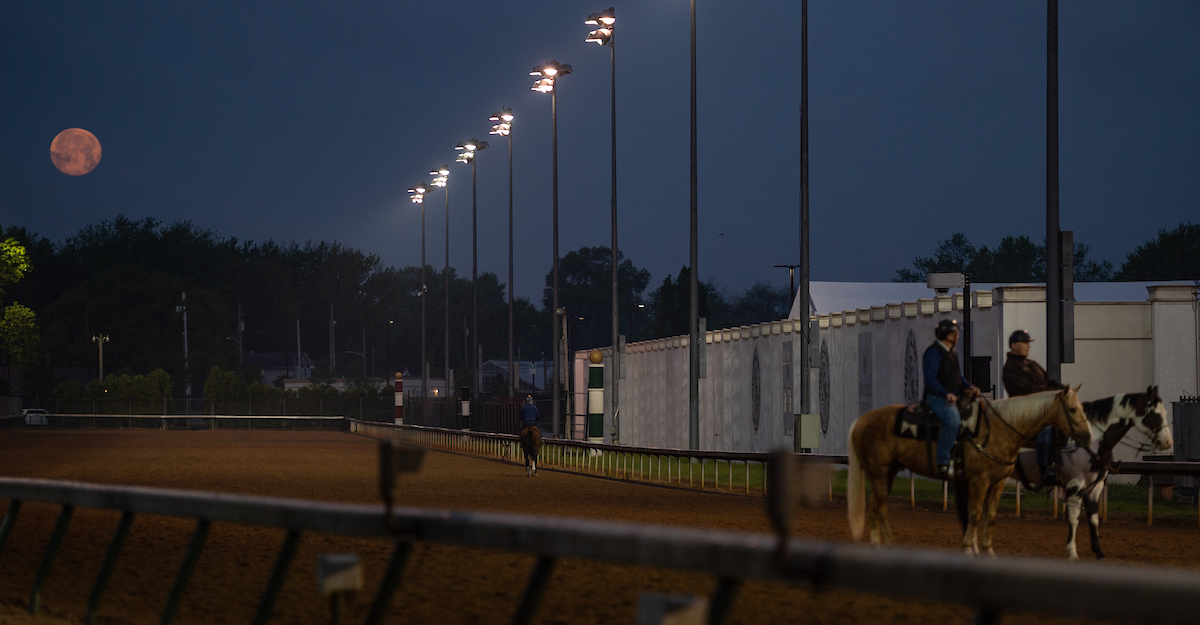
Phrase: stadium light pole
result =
(605, 35)
(791, 282)
(101, 339)
(503, 128)
(440, 177)
(694, 286)
(548, 83)
(469, 150)
(418, 197)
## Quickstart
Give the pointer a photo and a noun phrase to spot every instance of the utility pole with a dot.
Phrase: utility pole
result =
(332, 353)
(187, 378)
(1054, 340)
(805, 307)
(241, 327)
(101, 339)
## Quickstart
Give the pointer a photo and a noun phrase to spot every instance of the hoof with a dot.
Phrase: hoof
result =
(1100, 556)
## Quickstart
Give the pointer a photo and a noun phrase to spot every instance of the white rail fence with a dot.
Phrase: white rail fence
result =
(731, 472)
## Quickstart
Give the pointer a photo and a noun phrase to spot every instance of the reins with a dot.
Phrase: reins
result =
(983, 417)
(988, 407)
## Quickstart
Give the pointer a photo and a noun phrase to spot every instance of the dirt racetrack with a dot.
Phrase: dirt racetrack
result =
(442, 584)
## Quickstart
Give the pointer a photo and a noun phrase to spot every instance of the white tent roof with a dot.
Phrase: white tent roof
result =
(833, 297)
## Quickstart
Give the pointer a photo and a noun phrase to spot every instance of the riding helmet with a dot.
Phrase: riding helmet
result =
(528, 399)
(945, 328)
(1020, 336)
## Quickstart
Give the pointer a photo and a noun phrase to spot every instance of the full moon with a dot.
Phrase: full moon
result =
(75, 151)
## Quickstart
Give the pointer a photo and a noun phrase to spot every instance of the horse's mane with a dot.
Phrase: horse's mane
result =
(1026, 407)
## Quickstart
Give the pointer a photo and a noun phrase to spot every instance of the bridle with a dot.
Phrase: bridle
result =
(988, 407)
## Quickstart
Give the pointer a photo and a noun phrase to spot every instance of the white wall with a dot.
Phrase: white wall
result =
(1120, 347)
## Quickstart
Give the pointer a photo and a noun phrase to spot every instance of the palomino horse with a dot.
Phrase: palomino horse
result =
(995, 433)
(531, 443)
(1083, 470)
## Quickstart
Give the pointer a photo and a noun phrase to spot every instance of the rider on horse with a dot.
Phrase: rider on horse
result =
(1024, 376)
(529, 415)
(943, 381)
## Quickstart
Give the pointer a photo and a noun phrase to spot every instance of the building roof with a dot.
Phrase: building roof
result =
(835, 297)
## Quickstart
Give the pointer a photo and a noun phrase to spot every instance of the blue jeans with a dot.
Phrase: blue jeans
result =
(951, 420)
(1043, 448)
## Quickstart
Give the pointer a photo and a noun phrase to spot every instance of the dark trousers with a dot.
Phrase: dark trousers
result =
(1043, 440)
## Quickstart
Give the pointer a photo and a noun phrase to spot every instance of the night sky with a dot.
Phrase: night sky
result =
(307, 120)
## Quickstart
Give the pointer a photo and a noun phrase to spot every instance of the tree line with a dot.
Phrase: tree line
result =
(358, 319)
(1171, 255)
(353, 316)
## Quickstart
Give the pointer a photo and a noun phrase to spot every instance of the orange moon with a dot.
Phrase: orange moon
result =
(75, 151)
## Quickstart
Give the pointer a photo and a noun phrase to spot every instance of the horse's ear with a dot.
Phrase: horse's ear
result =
(1078, 387)
(1152, 392)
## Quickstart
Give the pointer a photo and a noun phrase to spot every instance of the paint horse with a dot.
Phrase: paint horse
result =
(531, 443)
(989, 443)
(1083, 470)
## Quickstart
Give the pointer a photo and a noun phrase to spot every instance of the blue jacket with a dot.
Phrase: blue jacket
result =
(942, 371)
(529, 415)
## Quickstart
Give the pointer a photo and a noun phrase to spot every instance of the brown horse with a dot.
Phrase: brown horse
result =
(531, 443)
(996, 431)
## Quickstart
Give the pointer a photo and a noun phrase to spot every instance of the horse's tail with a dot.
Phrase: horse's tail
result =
(855, 489)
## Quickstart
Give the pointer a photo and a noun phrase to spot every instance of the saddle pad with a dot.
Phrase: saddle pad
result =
(912, 422)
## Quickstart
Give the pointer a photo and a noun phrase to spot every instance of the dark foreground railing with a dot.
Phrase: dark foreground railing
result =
(988, 585)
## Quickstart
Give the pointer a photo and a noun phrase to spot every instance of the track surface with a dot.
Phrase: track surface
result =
(442, 585)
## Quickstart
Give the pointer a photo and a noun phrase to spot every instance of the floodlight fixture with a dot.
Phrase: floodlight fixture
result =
(418, 194)
(606, 17)
(504, 122)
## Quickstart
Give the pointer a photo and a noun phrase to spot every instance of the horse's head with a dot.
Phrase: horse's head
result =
(1151, 418)
(1074, 422)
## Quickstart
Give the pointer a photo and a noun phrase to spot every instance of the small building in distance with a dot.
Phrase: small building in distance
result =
(282, 366)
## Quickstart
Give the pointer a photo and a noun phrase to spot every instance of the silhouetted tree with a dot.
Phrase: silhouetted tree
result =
(1172, 255)
(1015, 259)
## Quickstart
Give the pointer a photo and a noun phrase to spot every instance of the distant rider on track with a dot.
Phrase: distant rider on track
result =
(529, 415)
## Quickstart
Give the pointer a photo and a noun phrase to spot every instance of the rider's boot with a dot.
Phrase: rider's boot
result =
(945, 472)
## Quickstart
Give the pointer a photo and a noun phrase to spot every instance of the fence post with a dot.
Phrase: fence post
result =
(399, 390)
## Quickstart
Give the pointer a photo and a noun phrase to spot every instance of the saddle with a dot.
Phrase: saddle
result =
(917, 421)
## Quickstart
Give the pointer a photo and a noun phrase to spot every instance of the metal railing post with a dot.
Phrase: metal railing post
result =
(10, 518)
(534, 590)
(278, 575)
(60, 530)
(722, 599)
(106, 569)
(185, 571)
(391, 579)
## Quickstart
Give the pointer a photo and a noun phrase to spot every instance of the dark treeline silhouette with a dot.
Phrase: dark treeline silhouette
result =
(1172, 255)
(124, 278)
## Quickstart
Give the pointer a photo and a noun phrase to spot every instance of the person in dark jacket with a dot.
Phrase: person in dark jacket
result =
(944, 380)
(1024, 376)
(529, 414)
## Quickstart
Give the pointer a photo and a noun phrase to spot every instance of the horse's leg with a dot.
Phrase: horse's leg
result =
(992, 502)
(880, 485)
(975, 502)
(884, 522)
(1071, 506)
(1092, 504)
